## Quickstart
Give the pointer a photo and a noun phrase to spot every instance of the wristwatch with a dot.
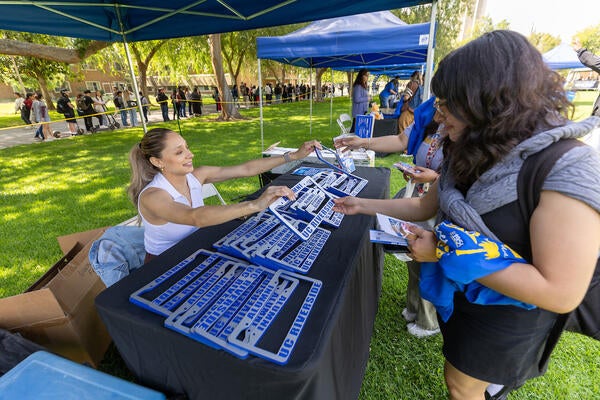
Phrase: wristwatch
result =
(286, 157)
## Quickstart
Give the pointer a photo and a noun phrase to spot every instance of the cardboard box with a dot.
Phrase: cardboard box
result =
(58, 311)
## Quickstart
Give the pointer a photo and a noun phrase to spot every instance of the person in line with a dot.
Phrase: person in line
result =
(99, 108)
(36, 118)
(21, 108)
(167, 189)
(217, 97)
(131, 104)
(412, 97)
(145, 105)
(188, 97)
(85, 104)
(41, 116)
(26, 110)
(175, 104)
(423, 139)
(503, 338)
(388, 95)
(120, 105)
(196, 102)
(360, 93)
(181, 102)
(591, 61)
(65, 107)
(163, 100)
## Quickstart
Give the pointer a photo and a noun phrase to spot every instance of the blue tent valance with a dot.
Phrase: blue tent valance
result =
(562, 57)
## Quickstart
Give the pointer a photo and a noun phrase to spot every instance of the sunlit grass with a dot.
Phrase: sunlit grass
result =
(76, 184)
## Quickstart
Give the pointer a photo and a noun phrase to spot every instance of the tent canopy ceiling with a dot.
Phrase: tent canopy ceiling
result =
(562, 57)
(352, 42)
(134, 20)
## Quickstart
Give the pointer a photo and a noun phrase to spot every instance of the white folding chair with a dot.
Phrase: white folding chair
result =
(133, 221)
(342, 120)
(209, 190)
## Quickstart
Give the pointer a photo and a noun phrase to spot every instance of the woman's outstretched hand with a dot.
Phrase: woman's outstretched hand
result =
(305, 149)
(347, 205)
(271, 194)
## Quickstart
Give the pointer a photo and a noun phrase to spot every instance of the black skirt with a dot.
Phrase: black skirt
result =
(498, 344)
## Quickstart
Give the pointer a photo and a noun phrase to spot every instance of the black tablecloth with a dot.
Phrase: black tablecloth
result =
(330, 356)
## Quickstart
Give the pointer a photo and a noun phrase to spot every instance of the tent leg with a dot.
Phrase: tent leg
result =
(331, 101)
(131, 71)
(312, 94)
(262, 140)
(430, 50)
(135, 86)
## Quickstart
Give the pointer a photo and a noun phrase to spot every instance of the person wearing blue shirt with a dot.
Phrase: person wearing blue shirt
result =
(388, 95)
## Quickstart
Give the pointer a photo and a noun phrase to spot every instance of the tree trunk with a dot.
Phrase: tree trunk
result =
(349, 75)
(228, 109)
(44, 88)
(51, 53)
(318, 96)
(143, 73)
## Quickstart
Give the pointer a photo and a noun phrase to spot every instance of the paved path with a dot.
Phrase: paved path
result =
(24, 134)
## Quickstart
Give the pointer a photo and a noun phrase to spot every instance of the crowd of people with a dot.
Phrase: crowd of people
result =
(181, 102)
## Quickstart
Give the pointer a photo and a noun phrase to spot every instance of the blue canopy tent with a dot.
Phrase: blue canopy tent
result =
(356, 41)
(373, 41)
(133, 20)
(562, 57)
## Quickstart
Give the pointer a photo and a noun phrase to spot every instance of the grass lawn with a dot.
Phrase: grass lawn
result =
(76, 184)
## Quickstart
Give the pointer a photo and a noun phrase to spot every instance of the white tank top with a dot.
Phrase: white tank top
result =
(158, 238)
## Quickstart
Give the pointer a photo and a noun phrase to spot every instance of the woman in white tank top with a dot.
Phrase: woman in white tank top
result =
(167, 189)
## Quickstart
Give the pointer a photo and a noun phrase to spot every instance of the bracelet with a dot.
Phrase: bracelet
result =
(286, 157)
(368, 143)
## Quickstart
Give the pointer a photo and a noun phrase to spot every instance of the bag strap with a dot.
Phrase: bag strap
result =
(531, 178)
(534, 171)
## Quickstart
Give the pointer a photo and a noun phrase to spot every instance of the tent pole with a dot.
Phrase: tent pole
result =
(135, 85)
(131, 71)
(331, 101)
(262, 140)
(430, 51)
(312, 94)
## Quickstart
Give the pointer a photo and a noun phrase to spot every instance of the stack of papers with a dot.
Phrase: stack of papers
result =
(393, 232)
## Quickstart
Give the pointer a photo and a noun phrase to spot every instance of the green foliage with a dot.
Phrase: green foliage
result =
(450, 15)
(544, 41)
(590, 38)
(484, 25)
(33, 71)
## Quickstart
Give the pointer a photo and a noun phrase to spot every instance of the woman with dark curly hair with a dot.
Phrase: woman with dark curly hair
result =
(500, 280)
(360, 93)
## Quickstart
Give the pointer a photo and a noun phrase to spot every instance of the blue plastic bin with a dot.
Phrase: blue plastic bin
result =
(45, 376)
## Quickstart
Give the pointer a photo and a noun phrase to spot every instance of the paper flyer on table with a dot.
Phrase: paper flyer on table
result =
(394, 227)
(386, 238)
